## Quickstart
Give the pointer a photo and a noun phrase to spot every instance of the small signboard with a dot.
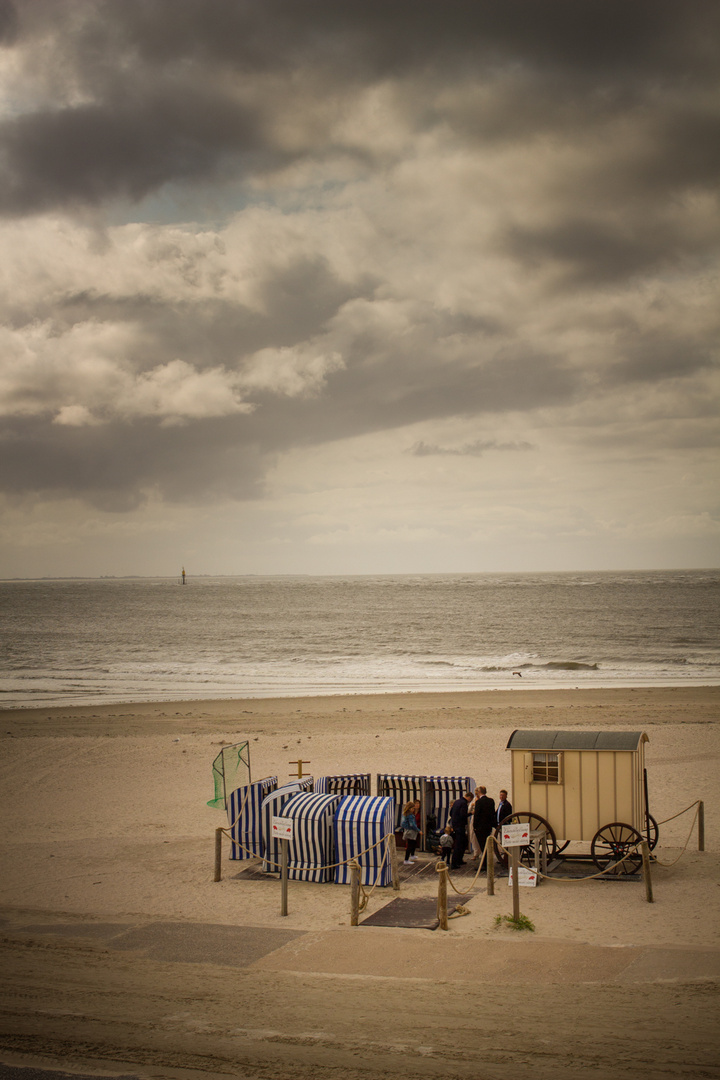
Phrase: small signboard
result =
(515, 835)
(282, 828)
(525, 877)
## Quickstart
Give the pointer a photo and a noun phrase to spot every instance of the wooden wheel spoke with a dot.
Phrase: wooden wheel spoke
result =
(615, 848)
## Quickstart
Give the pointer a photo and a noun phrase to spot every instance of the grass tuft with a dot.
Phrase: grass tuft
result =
(521, 923)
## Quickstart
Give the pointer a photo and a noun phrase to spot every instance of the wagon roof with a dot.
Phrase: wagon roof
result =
(576, 740)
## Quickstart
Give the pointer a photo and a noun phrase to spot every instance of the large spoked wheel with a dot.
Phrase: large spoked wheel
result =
(652, 832)
(536, 824)
(616, 849)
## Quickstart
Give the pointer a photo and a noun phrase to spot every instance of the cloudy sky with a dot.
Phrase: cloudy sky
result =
(309, 286)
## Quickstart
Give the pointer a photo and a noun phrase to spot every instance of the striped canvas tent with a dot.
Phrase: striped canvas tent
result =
(244, 818)
(445, 790)
(311, 849)
(349, 784)
(401, 789)
(436, 794)
(360, 822)
(272, 806)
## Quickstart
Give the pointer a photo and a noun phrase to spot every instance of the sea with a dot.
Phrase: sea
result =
(112, 640)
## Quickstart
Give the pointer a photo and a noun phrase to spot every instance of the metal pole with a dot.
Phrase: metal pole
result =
(515, 862)
(645, 848)
(218, 854)
(283, 876)
(647, 807)
(701, 826)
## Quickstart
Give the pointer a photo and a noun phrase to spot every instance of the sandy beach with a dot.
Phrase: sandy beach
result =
(121, 955)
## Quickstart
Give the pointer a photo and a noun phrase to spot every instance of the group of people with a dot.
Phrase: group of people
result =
(473, 818)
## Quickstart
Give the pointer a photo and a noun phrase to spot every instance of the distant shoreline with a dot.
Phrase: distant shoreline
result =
(529, 687)
(520, 706)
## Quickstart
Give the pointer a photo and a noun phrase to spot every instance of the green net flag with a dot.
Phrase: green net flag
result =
(231, 770)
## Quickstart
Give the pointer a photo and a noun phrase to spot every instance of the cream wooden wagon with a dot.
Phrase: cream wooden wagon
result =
(584, 786)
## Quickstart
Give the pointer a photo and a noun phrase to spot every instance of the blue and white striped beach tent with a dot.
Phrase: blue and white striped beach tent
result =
(244, 818)
(272, 806)
(401, 789)
(445, 790)
(349, 784)
(311, 850)
(440, 793)
(360, 822)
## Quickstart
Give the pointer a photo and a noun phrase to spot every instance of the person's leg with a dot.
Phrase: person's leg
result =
(458, 849)
(482, 840)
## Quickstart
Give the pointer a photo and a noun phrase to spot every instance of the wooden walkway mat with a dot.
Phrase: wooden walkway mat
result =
(417, 914)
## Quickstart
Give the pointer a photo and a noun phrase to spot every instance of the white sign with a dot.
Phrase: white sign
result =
(525, 876)
(515, 835)
(282, 828)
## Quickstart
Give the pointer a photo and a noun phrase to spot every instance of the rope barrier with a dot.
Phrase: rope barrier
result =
(366, 895)
(483, 859)
(441, 866)
(697, 811)
(329, 866)
(681, 812)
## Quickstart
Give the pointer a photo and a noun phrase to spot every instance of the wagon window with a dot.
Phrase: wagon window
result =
(546, 768)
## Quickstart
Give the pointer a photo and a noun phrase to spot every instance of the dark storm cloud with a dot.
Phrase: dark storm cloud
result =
(385, 38)
(89, 153)
(602, 249)
(8, 22)
(117, 467)
(159, 105)
(649, 358)
(473, 449)
(119, 100)
(382, 394)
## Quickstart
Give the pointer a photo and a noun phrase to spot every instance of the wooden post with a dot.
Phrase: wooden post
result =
(442, 897)
(701, 826)
(515, 863)
(284, 844)
(394, 868)
(377, 784)
(299, 763)
(354, 891)
(218, 854)
(490, 864)
(645, 848)
(543, 849)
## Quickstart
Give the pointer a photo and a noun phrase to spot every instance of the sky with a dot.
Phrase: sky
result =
(301, 286)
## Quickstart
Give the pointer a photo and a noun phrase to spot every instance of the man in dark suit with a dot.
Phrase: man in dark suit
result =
(484, 819)
(459, 822)
(504, 808)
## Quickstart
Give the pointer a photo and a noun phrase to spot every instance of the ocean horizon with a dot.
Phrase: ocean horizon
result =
(75, 641)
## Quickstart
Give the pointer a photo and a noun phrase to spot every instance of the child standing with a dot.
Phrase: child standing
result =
(409, 826)
(446, 843)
